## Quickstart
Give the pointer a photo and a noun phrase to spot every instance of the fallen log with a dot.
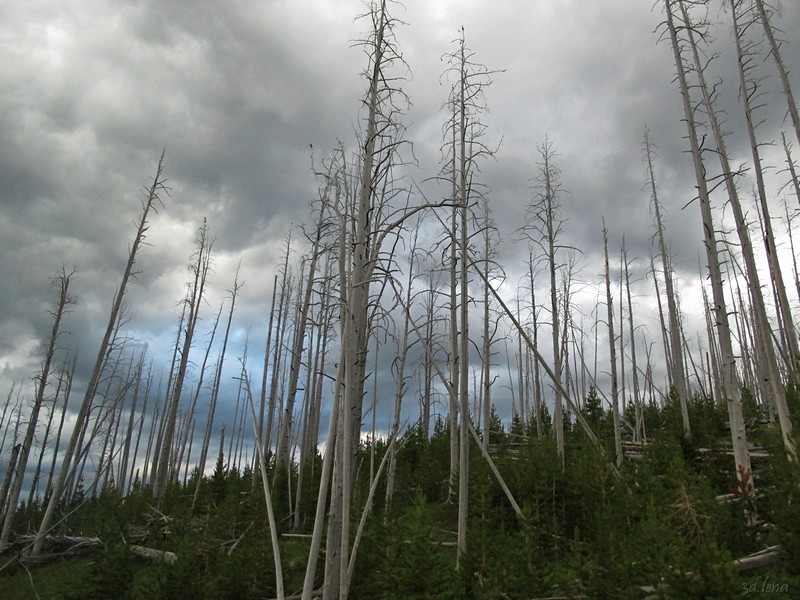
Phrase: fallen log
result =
(151, 554)
(59, 541)
(59, 548)
(757, 560)
(73, 547)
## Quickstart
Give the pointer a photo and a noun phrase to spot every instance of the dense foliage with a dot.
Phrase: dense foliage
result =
(654, 528)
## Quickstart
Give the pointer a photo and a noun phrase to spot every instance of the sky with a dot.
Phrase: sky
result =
(248, 96)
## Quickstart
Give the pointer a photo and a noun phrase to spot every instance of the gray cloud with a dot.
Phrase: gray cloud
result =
(239, 92)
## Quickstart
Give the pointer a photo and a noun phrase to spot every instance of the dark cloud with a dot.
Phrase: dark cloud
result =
(245, 95)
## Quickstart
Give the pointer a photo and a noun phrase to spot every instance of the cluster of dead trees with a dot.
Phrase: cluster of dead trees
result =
(385, 271)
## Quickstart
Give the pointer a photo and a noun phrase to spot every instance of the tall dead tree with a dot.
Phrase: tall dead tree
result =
(767, 363)
(366, 219)
(677, 370)
(281, 325)
(150, 204)
(766, 14)
(638, 429)
(212, 404)
(465, 130)
(61, 282)
(749, 92)
(197, 281)
(300, 329)
(544, 227)
(729, 377)
(612, 351)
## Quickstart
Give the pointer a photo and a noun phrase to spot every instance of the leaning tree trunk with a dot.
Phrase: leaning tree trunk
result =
(64, 299)
(150, 204)
(678, 371)
(298, 342)
(775, 52)
(212, 405)
(768, 366)
(764, 337)
(194, 299)
(730, 383)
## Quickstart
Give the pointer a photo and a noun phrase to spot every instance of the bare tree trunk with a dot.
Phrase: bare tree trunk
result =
(300, 328)
(749, 91)
(466, 100)
(212, 405)
(122, 477)
(189, 423)
(264, 373)
(193, 300)
(775, 52)
(548, 179)
(789, 228)
(156, 450)
(149, 474)
(150, 204)
(427, 377)
(147, 389)
(728, 362)
(638, 430)
(3, 422)
(273, 527)
(488, 332)
(322, 494)
(455, 362)
(612, 350)
(677, 371)
(767, 356)
(280, 326)
(399, 373)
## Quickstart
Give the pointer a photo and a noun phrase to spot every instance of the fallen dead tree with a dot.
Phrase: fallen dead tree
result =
(63, 547)
(58, 548)
(758, 560)
(153, 555)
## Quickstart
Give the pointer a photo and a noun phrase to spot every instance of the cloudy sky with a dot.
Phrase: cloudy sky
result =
(244, 94)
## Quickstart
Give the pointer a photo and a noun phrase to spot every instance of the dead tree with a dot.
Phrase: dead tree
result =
(194, 297)
(61, 282)
(729, 377)
(151, 203)
(612, 350)
(212, 405)
(675, 348)
(765, 14)
(767, 363)
(544, 227)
